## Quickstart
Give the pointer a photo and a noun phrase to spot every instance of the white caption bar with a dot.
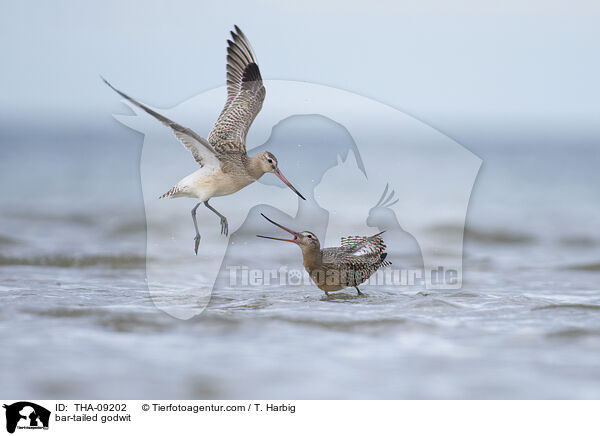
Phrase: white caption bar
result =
(301, 417)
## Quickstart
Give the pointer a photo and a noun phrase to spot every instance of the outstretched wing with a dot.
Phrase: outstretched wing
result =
(245, 96)
(364, 245)
(200, 148)
(358, 258)
(363, 250)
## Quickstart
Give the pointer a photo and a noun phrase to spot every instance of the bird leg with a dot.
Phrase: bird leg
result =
(358, 290)
(197, 238)
(224, 225)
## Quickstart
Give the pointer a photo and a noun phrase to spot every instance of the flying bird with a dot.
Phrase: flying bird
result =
(225, 165)
(335, 268)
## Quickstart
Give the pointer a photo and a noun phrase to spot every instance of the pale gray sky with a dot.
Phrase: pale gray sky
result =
(474, 60)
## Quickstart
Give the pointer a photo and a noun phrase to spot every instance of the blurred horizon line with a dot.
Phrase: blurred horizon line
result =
(20, 127)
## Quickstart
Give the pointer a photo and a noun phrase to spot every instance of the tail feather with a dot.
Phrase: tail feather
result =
(382, 261)
(171, 192)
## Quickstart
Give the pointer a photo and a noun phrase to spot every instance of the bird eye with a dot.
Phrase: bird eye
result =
(269, 160)
(309, 237)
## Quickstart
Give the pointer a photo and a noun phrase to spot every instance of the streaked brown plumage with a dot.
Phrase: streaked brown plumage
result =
(225, 166)
(335, 268)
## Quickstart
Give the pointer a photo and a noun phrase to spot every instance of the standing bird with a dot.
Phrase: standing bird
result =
(335, 268)
(225, 166)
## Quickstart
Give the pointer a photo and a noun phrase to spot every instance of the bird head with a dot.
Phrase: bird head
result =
(305, 239)
(268, 164)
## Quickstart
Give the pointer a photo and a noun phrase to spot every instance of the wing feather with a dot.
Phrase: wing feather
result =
(245, 96)
(359, 245)
(363, 252)
(357, 259)
(202, 151)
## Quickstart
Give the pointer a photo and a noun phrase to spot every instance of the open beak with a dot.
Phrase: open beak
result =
(282, 227)
(284, 180)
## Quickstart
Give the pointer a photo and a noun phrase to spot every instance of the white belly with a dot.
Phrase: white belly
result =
(207, 183)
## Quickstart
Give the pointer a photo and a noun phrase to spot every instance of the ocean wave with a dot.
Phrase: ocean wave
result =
(499, 237)
(568, 306)
(120, 321)
(345, 325)
(7, 240)
(593, 266)
(487, 236)
(73, 217)
(124, 261)
(130, 227)
(574, 332)
(578, 241)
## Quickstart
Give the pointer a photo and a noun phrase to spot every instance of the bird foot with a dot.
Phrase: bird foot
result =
(224, 226)
(196, 243)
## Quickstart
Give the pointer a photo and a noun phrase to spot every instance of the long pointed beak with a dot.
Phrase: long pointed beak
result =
(281, 227)
(277, 239)
(286, 181)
